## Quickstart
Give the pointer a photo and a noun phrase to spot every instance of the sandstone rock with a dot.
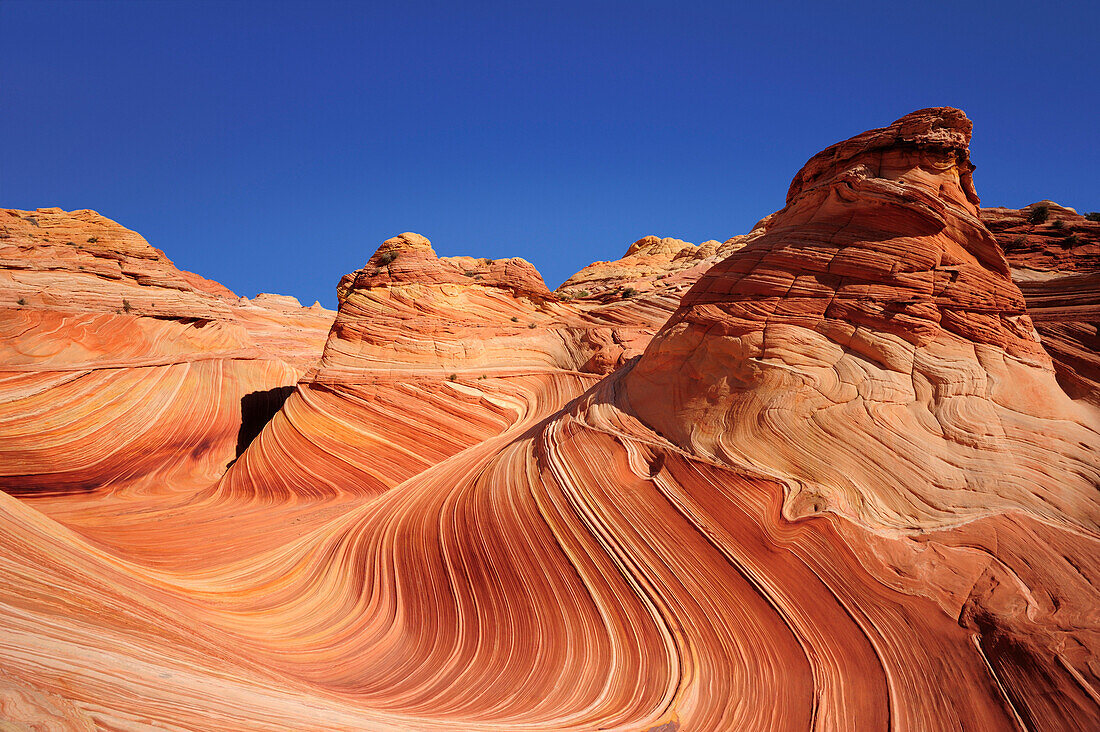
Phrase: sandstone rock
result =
(430, 356)
(841, 489)
(651, 264)
(876, 313)
(118, 370)
(1056, 264)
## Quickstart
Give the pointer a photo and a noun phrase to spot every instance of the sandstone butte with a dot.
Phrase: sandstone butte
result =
(824, 475)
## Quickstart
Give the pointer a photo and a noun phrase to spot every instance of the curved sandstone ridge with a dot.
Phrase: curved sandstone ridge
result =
(1056, 263)
(839, 490)
(653, 264)
(871, 350)
(118, 369)
(429, 356)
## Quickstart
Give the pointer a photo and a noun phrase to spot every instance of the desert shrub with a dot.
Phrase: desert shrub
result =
(452, 377)
(22, 301)
(1018, 242)
(470, 272)
(1093, 216)
(387, 258)
(93, 239)
(1071, 241)
(531, 325)
(1058, 224)
(126, 305)
(515, 319)
(1039, 214)
(581, 293)
(32, 220)
(629, 292)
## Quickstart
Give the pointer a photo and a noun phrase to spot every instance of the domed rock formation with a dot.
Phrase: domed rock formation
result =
(1056, 263)
(116, 368)
(841, 489)
(429, 356)
(652, 264)
(872, 347)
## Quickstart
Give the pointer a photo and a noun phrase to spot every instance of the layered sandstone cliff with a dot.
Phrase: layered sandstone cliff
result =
(429, 356)
(1055, 257)
(841, 488)
(118, 369)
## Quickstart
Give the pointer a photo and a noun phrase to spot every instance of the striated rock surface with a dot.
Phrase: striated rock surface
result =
(119, 370)
(429, 356)
(1045, 237)
(840, 489)
(1055, 257)
(876, 308)
(652, 264)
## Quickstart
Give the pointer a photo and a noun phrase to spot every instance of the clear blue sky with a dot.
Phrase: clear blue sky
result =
(272, 146)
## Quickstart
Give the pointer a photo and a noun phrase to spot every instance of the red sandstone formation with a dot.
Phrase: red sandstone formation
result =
(428, 357)
(1056, 263)
(871, 355)
(841, 489)
(117, 369)
(1046, 237)
(652, 264)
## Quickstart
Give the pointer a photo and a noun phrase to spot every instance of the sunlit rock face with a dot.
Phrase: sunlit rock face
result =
(872, 351)
(1055, 257)
(118, 369)
(840, 489)
(652, 266)
(429, 356)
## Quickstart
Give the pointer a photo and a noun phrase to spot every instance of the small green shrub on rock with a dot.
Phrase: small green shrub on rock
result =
(1039, 214)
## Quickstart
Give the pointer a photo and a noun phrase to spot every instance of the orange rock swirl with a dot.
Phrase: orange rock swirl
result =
(546, 549)
(871, 350)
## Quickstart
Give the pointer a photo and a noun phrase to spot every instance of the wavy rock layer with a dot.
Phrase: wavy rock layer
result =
(872, 337)
(1056, 263)
(459, 521)
(428, 357)
(652, 264)
(119, 370)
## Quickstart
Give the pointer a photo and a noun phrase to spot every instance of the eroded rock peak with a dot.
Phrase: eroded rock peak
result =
(937, 138)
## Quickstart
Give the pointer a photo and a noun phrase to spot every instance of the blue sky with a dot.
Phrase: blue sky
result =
(273, 146)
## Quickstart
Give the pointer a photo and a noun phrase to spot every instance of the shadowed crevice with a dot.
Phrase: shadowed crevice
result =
(257, 409)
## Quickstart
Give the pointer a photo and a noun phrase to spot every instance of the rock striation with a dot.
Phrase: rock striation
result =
(430, 356)
(836, 486)
(652, 264)
(877, 312)
(1055, 257)
(119, 370)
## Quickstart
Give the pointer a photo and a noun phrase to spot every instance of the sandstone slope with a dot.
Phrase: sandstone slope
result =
(118, 369)
(840, 489)
(429, 356)
(1055, 257)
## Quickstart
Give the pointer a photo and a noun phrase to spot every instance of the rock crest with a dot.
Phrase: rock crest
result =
(871, 330)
